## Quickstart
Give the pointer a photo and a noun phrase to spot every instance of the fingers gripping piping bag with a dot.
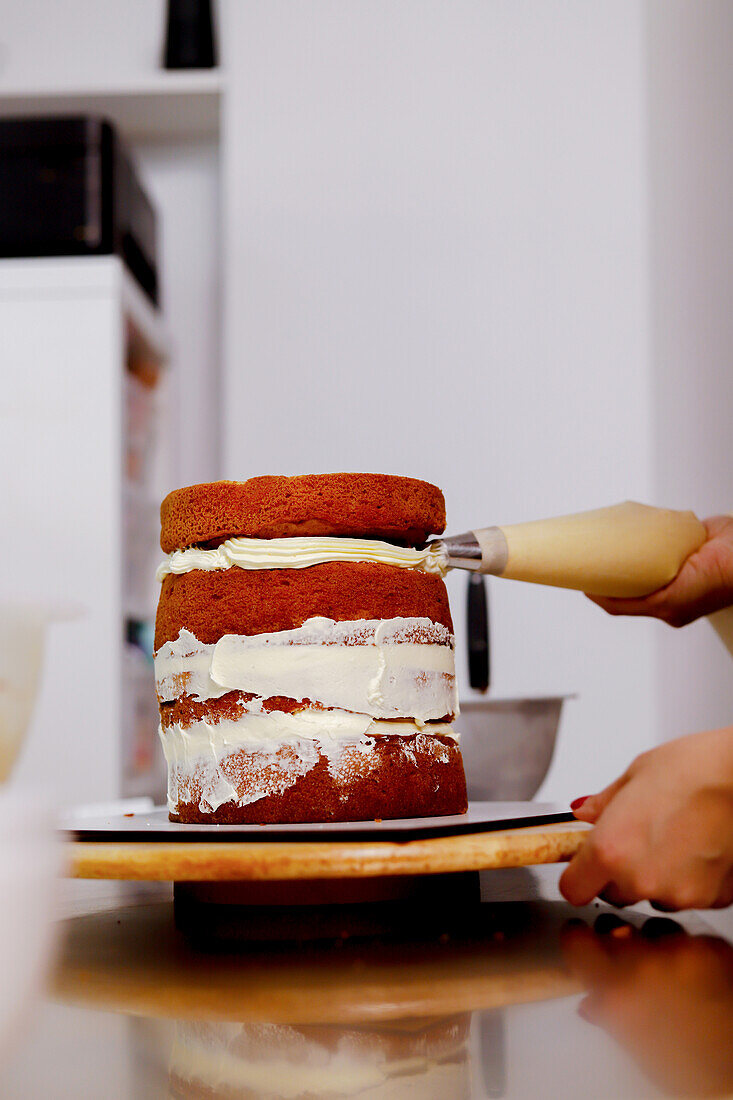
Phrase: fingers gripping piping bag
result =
(625, 550)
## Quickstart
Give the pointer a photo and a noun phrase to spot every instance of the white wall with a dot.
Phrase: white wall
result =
(436, 265)
(79, 43)
(690, 51)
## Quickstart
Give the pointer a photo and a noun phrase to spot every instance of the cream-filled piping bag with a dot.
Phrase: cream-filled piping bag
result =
(626, 550)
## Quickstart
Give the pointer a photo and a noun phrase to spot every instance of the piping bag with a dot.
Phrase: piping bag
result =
(626, 550)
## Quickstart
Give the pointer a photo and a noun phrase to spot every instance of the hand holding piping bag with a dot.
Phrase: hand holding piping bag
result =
(631, 559)
(625, 551)
(703, 585)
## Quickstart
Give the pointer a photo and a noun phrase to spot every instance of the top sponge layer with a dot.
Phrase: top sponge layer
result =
(372, 506)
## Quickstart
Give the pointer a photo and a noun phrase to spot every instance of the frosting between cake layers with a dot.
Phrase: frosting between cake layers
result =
(202, 756)
(300, 553)
(382, 668)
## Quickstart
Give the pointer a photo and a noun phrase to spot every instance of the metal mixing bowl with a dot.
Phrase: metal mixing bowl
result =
(507, 746)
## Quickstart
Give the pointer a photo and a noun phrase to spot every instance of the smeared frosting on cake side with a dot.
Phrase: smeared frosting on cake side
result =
(392, 668)
(209, 762)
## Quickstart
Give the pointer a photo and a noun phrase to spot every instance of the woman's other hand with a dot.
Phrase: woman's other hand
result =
(663, 830)
(668, 1000)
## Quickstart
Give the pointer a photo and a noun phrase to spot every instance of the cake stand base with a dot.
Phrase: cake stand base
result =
(318, 909)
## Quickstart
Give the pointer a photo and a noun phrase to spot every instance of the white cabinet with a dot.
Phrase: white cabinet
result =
(78, 513)
(81, 492)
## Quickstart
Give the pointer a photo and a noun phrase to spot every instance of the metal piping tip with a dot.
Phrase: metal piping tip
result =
(460, 551)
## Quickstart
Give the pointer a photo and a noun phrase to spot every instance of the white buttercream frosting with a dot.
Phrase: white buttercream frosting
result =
(183, 667)
(382, 668)
(209, 762)
(300, 553)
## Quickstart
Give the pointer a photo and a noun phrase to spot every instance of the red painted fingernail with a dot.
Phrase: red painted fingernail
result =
(578, 802)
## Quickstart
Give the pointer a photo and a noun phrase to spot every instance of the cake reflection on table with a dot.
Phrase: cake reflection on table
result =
(393, 1016)
(400, 1059)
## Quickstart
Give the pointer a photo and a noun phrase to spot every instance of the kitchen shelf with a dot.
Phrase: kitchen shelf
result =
(73, 433)
(62, 277)
(167, 106)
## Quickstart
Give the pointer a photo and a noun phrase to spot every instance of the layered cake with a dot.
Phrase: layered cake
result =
(401, 1060)
(304, 652)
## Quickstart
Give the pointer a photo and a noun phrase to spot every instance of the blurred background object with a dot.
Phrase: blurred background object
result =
(507, 746)
(84, 435)
(30, 863)
(30, 852)
(70, 188)
(21, 652)
(478, 642)
(428, 238)
(189, 37)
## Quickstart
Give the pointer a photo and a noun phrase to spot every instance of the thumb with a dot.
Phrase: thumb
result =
(594, 805)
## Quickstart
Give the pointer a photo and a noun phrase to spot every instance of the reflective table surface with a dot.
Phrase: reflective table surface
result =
(484, 989)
